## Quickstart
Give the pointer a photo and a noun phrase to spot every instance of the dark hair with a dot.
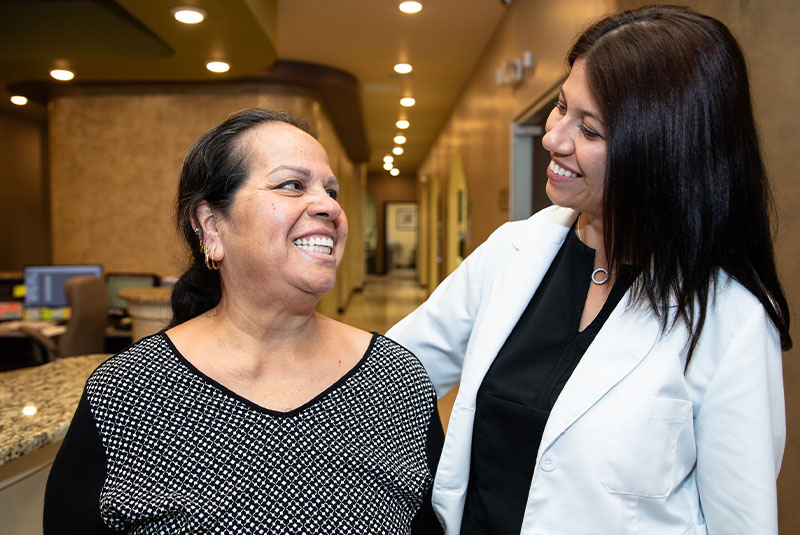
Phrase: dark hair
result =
(686, 192)
(213, 171)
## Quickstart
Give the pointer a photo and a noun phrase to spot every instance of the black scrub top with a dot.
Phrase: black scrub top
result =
(522, 385)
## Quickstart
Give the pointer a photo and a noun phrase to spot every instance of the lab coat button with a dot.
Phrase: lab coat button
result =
(547, 464)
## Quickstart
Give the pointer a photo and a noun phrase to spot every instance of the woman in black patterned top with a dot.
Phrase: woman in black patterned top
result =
(253, 413)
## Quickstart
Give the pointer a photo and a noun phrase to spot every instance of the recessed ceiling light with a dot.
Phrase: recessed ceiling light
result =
(410, 7)
(217, 66)
(62, 74)
(19, 100)
(402, 124)
(397, 151)
(388, 166)
(407, 101)
(188, 15)
(388, 159)
(399, 139)
(403, 68)
(395, 171)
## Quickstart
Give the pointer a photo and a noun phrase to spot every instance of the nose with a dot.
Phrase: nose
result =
(556, 138)
(323, 205)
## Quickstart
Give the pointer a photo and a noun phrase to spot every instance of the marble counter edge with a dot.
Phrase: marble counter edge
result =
(55, 389)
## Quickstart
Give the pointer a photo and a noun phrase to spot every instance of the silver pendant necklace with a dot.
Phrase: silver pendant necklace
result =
(597, 271)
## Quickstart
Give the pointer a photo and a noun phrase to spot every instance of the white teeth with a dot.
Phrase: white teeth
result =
(317, 244)
(561, 171)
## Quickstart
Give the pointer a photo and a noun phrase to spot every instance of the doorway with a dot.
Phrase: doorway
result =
(529, 160)
(402, 240)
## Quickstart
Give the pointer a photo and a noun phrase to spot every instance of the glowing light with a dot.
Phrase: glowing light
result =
(399, 139)
(19, 100)
(407, 101)
(397, 151)
(402, 124)
(410, 7)
(29, 410)
(388, 166)
(403, 68)
(188, 15)
(218, 66)
(62, 74)
(394, 172)
(388, 159)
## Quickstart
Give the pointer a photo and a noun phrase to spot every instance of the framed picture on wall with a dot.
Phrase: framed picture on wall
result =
(406, 219)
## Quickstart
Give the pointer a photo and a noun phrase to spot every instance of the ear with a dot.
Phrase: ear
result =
(206, 219)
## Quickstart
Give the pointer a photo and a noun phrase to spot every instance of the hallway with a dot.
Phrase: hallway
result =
(384, 301)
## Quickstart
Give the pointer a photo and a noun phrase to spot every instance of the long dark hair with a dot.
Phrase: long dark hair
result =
(686, 192)
(213, 171)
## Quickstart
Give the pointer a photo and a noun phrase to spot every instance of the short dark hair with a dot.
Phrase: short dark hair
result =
(213, 171)
(686, 192)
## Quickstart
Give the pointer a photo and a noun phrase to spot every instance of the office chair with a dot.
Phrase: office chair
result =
(85, 334)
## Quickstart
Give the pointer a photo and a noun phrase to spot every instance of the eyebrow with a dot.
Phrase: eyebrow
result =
(299, 170)
(583, 112)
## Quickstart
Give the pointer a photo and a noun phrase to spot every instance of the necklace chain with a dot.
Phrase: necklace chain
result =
(596, 271)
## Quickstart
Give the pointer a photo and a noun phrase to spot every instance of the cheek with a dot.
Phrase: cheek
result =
(342, 229)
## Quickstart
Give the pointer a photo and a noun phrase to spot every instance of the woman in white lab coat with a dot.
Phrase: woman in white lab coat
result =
(619, 354)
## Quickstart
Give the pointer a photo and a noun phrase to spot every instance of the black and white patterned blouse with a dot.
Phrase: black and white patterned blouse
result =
(157, 447)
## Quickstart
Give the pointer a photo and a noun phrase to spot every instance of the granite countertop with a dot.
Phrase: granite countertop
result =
(51, 393)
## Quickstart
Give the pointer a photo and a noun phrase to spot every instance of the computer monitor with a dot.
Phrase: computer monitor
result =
(44, 285)
(10, 310)
(117, 281)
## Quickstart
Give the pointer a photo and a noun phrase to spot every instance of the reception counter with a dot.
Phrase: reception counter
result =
(37, 407)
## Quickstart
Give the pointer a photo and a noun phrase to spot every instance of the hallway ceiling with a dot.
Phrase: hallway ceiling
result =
(139, 41)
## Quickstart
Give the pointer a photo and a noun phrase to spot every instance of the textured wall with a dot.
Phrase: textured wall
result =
(115, 159)
(24, 235)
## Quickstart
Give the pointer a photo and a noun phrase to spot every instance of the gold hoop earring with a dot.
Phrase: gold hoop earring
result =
(211, 264)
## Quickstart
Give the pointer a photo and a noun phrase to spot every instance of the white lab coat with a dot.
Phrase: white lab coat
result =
(633, 445)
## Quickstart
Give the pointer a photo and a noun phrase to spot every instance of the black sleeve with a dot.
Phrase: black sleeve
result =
(426, 522)
(72, 495)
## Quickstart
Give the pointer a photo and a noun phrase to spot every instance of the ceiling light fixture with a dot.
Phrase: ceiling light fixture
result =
(407, 101)
(188, 15)
(19, 100)
(62, 74)
(402, 124)
(388, 166)
(403, 68)
(388, 159)
(394, 172)
(218, 66)
(399, 139)
(397, 151)
(410, 7)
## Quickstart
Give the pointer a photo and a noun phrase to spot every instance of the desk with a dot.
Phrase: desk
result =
(17, 349)
(28, 443)
(11, 329)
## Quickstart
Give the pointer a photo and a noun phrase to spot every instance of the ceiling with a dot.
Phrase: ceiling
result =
(139, 41)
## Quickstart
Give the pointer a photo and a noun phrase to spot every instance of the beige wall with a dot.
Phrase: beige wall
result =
(115, 159)
(24, 238)
(478, 132)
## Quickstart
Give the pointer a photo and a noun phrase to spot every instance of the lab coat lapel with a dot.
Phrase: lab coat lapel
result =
(622, 343)
(536, 244)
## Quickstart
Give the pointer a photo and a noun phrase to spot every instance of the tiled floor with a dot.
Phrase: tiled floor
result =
(384, 301)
